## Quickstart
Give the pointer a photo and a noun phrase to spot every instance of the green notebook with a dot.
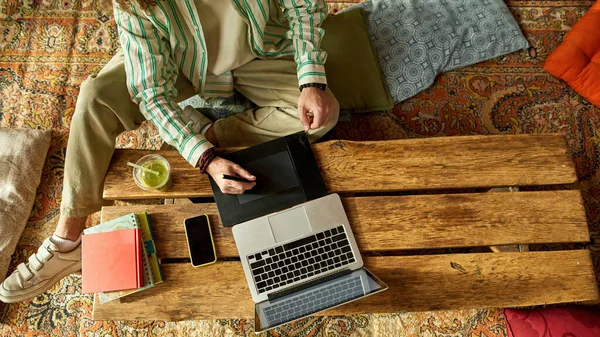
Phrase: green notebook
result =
(150, 247)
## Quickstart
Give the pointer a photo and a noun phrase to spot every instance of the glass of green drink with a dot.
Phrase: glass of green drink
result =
(150, 181)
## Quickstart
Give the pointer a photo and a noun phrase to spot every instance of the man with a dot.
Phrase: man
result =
(268, 50)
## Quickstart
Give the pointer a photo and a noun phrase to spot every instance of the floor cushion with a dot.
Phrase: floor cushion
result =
(416, 40)
(571, 321)
(577, 59)
(22, 156)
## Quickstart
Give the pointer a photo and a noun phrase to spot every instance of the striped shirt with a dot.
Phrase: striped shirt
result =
(167, 38)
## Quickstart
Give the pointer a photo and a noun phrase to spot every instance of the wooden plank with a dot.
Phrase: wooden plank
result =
(416, 283)
(393, 165)
(467, 220)
(408, 222)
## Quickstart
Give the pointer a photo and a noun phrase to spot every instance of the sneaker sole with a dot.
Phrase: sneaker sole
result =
(49, 284)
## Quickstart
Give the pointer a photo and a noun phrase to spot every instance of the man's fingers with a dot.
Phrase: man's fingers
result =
(303, 112)
(243, 173)
(236, 187)
(247, 186)
(223, 166)
(241, 186)
(317, 119)
(232, 189)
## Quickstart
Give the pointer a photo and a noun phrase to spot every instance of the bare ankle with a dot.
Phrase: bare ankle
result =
(70, 228)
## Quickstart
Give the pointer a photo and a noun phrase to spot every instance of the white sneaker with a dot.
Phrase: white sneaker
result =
(44, 269)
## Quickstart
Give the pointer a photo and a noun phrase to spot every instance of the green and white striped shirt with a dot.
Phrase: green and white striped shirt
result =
(167, 38)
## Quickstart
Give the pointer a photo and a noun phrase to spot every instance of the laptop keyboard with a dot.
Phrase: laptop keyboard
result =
(300, 259)
(314, 301)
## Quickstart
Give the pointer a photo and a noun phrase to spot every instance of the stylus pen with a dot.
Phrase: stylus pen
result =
(236, 178)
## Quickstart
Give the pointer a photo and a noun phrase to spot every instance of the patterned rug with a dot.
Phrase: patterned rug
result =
(48, 47)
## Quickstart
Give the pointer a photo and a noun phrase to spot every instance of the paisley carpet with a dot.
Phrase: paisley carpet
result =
(48, 47)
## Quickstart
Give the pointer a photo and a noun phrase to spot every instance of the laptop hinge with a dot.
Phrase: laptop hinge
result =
(281, 293)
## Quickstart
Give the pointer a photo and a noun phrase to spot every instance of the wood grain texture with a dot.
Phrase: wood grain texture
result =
(407, 222)
(416, 283)
(393, 165)
(467, 220)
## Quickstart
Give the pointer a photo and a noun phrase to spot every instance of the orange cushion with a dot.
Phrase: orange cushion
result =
(577, 59)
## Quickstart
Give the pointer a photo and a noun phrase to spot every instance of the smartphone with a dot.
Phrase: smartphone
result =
(200, 241)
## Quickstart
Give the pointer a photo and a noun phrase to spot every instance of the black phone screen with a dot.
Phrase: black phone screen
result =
(200, 241)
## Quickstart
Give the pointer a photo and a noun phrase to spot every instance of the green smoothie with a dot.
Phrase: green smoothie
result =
(151, 181)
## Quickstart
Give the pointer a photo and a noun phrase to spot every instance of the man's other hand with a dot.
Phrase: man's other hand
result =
(219, 166)
(316, 108)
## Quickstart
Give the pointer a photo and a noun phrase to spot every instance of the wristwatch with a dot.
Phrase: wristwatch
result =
(321, 86)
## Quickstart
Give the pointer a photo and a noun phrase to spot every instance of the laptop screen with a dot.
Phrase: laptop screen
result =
(323, 296)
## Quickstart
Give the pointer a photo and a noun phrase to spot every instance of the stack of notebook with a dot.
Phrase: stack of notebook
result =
(119, 258)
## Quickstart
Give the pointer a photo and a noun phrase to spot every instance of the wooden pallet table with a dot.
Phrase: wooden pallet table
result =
(408, 202)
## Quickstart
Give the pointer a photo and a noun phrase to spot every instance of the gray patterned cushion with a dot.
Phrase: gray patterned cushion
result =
(417, 39)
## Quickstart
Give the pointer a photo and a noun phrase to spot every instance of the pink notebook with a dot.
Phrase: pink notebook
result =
(112, 261)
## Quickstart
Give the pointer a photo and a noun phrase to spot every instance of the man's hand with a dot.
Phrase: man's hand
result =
(316, 108)
(219, 166)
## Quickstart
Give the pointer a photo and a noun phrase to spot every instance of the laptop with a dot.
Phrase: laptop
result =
(296, 256)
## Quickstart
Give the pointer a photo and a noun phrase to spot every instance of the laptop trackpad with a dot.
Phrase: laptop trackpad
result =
(289, 225)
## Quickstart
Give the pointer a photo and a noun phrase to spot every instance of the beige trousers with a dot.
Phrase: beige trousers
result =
(104, 110)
